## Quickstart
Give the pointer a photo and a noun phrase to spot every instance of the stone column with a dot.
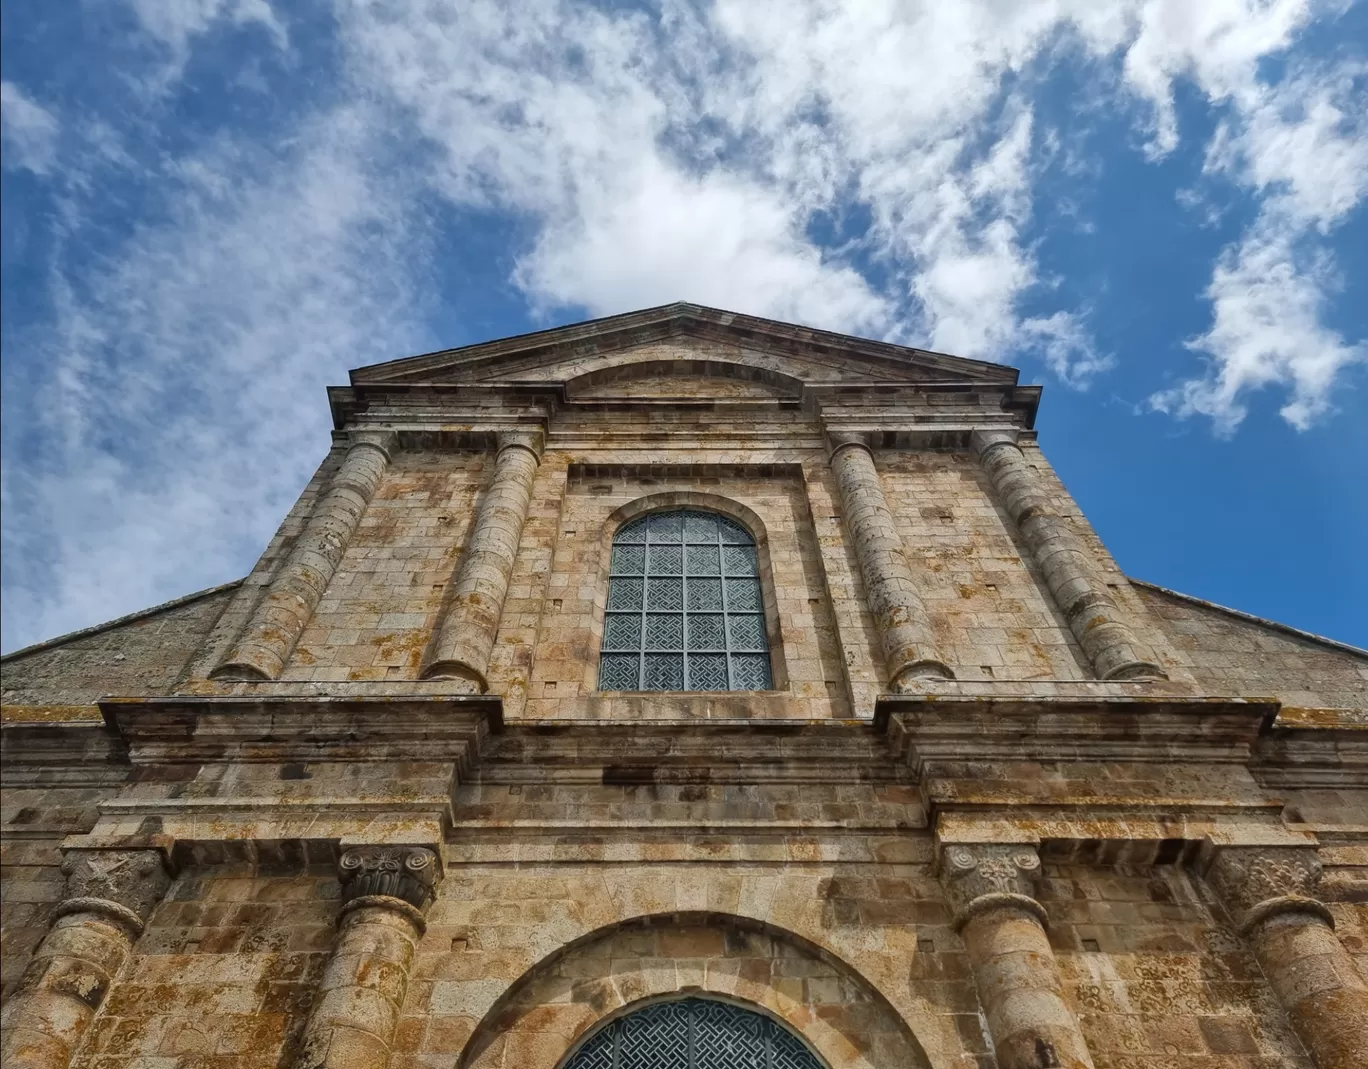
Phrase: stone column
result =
(1003, 927)
(386, 890)
(110, 894)
(904, 626)
(270, 635)
(466, 637)
(1081, 594)
(1267, 891)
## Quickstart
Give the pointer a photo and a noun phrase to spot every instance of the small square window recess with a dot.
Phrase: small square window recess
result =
(1091, 946)
(557, 603)
(549, 687)
(926, 946)
(459, 944)
(987, 670)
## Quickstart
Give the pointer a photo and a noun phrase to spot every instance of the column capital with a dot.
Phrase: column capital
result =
(838, 440)
(981, 877)
(402, 879)
(982, 441)
(384, 440)
(1258, 882)
(534, 441)
(123, 886)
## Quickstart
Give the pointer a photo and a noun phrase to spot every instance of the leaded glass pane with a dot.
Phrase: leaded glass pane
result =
(743, 595)
(733, 533)
(620, 672)
(700, 527)
(664, 671)
(666, 527)
(705, 632)
(629, 560)
(622, 631)
(664, 631)
(664, 594)
(694, 1033)
(631, 532)
(708, 671)
(701, 560)
(739, 560)
(746, 633)
(684, 604)
(750, 671)
(664, 560)
(705, 594)
(624, 594)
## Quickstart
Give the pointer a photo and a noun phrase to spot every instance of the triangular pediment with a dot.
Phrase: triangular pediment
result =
(629, 355)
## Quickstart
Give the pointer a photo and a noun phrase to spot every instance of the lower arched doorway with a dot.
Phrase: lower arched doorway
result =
(692, 1033)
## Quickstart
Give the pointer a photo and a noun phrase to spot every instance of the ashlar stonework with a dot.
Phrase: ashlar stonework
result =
(998, 805)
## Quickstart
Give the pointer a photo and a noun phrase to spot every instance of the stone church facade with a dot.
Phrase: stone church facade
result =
(684, 689)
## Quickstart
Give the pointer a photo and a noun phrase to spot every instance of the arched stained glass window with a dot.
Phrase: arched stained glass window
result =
(684, 607)
(693, 1033)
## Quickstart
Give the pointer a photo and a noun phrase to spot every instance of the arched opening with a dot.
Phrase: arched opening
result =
(692, 1033)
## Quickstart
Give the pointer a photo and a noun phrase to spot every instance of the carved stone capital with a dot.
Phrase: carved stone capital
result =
(982, 441)
(124, 886)
(979, 878)
(385, 441)
(533, 441)
(838, 440)
(1258, 882)
(407, 873)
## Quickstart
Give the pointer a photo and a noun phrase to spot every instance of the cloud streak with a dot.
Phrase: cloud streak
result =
(172, 401)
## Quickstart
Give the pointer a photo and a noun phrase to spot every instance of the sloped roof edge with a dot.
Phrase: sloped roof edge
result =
(109, 625)
(1250, 618)
(681, 312)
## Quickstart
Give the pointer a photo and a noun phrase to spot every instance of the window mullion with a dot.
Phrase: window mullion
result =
(722, 582)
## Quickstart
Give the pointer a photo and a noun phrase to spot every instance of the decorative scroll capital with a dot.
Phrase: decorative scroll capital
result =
(123, 886)
(979, 878)
(533, 441)
(1258, 882)
(408, 873)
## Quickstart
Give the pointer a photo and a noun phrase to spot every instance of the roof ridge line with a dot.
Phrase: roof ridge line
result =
(108, 625)
(1249, 617)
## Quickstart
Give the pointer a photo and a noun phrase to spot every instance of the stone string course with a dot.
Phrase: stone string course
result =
(962, 831)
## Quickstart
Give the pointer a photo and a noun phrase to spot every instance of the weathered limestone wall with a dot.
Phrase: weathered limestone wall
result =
(145, 654)
(1230, 655)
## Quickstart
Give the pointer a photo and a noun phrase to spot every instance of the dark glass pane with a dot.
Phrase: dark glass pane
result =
(746, 633)
(739, 560)
(665, 593)
(666, 527)
(743, 595)
(629, 560)
(702, 560)
(750, 671)
(619, 672)
(705, 632)
(634, 531)
(664, 631)
(705, 594)
(664, 671)
(625, 593)
(700, 527)
(664, 560)
(622, 631)
(707, 671)
(733, 533)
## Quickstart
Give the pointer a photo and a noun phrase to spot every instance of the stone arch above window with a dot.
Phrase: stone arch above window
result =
(685, 608)
(693, 1033)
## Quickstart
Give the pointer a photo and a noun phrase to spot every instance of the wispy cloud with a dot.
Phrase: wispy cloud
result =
(173, 401)
(28, 131)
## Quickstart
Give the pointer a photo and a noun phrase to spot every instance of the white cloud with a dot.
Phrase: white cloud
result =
(653, 159)
(29, 131)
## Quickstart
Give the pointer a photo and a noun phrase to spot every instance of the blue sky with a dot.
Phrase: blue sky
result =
(213, 208)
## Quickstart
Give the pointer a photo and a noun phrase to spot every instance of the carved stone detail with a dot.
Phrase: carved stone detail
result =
(408, 873)
(123, 885)
(990, 876)
(1255, 883)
